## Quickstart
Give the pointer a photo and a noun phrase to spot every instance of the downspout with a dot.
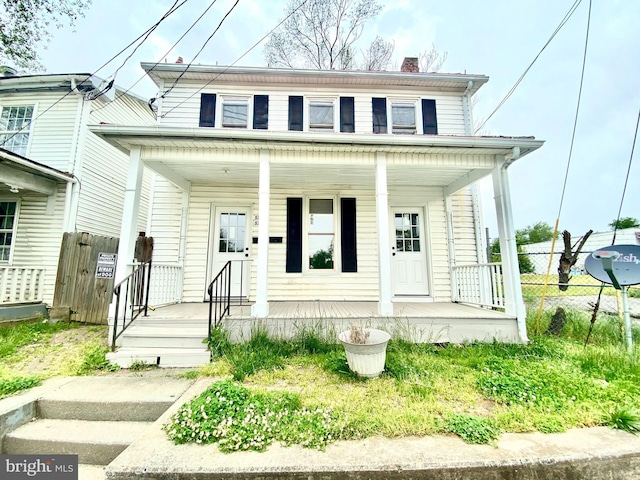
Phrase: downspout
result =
(465, 109)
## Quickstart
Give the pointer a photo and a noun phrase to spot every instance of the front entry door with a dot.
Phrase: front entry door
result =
(231, 242)
(409, 257)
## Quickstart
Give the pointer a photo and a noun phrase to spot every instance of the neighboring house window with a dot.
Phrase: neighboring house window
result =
(261, 112)
(7, 224)
(347, 115)
(403, 117)
(295, 113)
(207, 110)
(318, 236)
(235, 113)
(321, 234)
(379, 110)
(321, 116)
(15, 123)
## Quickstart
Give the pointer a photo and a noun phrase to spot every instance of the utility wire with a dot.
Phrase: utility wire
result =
(200, 51)
(513, 89)
(236, 61)
(28, 125)
(566, 174)
(626, 180)
(144, 75)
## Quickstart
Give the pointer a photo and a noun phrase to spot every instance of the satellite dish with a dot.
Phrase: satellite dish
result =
(622, 261)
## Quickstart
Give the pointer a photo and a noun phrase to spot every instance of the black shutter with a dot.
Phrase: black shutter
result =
(261, 112)
(348, 234)
(379, 106)
(429, 120)
(346, 115)
(207, 109)
(294, 235)
(295, 113)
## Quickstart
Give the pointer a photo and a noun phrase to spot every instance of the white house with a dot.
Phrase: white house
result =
(56, 176)
(335, 194)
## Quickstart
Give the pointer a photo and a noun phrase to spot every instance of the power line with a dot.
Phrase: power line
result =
(513, 89)
(200, 51)
(144, 75)
(236, 61)
(164, 17)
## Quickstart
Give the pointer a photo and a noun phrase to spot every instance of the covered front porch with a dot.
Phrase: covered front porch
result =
(173, 335)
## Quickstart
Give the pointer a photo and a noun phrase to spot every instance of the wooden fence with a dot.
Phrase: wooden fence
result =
(77, 287)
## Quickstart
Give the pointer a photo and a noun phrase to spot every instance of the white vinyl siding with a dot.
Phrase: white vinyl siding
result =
(166, 217)
(463, 228)
(38, 236)
(182, 105)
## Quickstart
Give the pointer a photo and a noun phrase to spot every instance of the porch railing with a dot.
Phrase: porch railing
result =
(21, 284)
(165, 284)
(479, 284)
(219, 297)
(132, 298)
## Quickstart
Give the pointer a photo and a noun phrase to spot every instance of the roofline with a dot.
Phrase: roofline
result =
(51, 81)
(525, 144)
(381, 76)
(9, 156)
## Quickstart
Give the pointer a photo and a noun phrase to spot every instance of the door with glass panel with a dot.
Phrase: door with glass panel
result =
(408, 253)
(231, 242)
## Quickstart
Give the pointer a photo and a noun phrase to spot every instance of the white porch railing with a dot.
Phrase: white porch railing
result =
(479, 284)
(166, 284)
(21, 284)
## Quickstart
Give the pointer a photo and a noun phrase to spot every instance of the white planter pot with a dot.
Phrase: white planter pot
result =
(367, 360)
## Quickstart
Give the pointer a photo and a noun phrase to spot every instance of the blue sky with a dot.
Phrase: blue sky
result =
(498, 38)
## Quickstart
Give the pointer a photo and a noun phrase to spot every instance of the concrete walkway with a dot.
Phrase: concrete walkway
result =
(585, 454)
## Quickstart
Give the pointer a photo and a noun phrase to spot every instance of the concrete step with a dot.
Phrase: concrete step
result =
(161, 357)
(111, 399)
(95, 443)
(173, 322)
(164, 336)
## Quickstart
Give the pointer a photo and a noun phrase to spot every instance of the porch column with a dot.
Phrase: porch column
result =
(261, 307)
(130, 212)
(385, 306)
(514, 304)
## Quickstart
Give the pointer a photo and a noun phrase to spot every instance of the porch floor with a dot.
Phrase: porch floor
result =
(432, 322)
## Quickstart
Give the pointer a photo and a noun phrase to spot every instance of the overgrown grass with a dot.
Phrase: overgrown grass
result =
(18, 335)
(475, 391)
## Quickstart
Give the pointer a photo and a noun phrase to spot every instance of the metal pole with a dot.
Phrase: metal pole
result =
(627, 319)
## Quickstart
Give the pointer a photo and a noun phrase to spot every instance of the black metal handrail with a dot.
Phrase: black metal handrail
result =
(219, 293)
(136, 298)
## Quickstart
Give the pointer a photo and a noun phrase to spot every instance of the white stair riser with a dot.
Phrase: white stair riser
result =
(167, 360)
(162, 342)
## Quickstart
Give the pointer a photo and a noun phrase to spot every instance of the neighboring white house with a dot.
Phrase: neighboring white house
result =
(348, 186)
(539, 252)
(56, 176)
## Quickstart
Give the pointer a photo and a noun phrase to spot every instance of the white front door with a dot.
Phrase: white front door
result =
(231, 242)
(409, 257)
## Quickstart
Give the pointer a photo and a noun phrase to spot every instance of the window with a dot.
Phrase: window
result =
(407, 232)
(261, 112)
(7, 223)
(14, 128)
(321, 234)
(207, 110)
(379, 110)
(318, 234)
(235, 113)
(232, 232)
(295, 113)
(347, 115)
(429, 118)
(320, 116)
(403, 116)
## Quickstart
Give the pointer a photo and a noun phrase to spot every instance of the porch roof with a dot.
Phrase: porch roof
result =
(18, 172)
(179, 153)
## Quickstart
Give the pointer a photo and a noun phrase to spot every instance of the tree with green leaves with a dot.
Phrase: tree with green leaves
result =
(524, 262)
(625, 222)
(536, 233)
(26, 24)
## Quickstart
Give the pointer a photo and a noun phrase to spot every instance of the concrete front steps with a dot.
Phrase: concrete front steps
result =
(166, 343)
(96, 418)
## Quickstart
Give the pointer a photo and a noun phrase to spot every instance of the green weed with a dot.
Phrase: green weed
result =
(18, 335)
(16, 384)
(472, 429)
(94, 359)
(625, 418)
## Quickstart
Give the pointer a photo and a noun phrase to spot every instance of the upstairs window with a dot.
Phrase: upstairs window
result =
(207, 110)
(15, 123)
(295, 113)
(429, 117)
(235, 113)
(321, 116)
(379, 111)
(261, 112)
(403, 116)
(7, 224)
(347, 115)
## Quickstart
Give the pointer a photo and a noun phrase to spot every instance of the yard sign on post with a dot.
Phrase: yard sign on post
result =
(618, 265)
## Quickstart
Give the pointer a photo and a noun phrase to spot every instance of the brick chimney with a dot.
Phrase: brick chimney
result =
(410, 65)
(179, 60)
